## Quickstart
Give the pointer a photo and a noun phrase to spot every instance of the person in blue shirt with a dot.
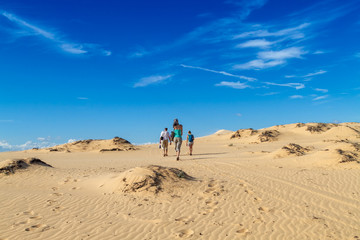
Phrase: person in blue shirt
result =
(190, 142)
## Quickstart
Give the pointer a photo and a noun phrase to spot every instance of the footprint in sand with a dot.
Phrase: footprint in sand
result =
(210, 207)
(41, 227)
(185, 220)
(212, 191)
(57, 209)
(264, 209)
(257, 199)
(57, 194)
(211, 203)
(20, 223)
(69, 180)
(214, 188)
(243, 185)
(211, 183)
(186, 233)
(32, 216)
(50, 202)
(248, 191)
(259, 220)
(28, 213)
(243, 231)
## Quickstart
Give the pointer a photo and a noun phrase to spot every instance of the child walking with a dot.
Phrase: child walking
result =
(190, 142)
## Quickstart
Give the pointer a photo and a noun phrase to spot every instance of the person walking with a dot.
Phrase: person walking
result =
(190, 142)
(176, 122)
(178, 130)
(164, 141)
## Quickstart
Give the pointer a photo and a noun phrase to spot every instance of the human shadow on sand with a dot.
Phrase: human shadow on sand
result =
(202, 154)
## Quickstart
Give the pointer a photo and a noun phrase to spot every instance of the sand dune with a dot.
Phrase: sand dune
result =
(11, 165)
(153, 179)
(295, 181)
(111, 145)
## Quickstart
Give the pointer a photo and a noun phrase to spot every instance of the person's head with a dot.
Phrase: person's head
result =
(165, 129)
(189, 132)
(176, 122)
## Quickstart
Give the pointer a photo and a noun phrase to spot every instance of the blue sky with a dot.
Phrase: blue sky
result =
(94, 69)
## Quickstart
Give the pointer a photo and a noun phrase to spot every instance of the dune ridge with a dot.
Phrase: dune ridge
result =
(97, 145)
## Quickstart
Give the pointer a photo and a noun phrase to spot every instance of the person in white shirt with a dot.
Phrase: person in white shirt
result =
(164, 141)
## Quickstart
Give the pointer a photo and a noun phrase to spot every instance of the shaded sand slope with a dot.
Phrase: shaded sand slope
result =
(10, 166)
(241, 189)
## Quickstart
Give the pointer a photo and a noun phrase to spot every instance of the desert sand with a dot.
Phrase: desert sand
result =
(295, 181)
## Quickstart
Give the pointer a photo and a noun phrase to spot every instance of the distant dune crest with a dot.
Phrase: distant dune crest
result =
(90, 145)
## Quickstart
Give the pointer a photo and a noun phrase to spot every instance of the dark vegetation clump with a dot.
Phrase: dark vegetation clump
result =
(269, 136)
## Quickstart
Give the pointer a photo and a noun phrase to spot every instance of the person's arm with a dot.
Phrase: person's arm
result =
(187, 140)
(168, 136)
(181, 128)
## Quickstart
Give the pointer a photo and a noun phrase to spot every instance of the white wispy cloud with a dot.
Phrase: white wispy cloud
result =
(239, 114)
(320, 97)
(315, 73)
(53, 38)
(256, 43)
(247, 6)
(82, 98)
(296, 96)
(294, 32)
(36, 30)
(292, 52)
(297, 86)
(212, 32)
(5, 146)
(357, 55)
(321, 90)
(269, 94)
(219, 72)
(320, 72)
(236, 85)
(267, 59)
(258, 64)
(143, 82)
(73, 48)
(327, 11)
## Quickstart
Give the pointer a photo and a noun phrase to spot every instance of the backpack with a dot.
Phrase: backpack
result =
(191, 138)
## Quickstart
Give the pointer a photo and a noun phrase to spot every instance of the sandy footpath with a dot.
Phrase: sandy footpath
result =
(296, 181)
